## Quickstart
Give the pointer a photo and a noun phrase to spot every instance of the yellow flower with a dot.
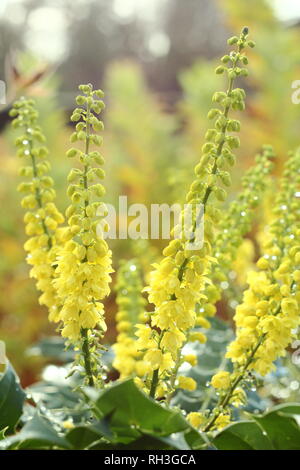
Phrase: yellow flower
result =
(221, 380)
(191, 359)
(222, 421)
(71, 330)
(196, 419)
(238, 398)
(187, 383)
(198, 336)
(172, 340)
(68, 424)
(158, 359)
(201, 321)
(250, 321)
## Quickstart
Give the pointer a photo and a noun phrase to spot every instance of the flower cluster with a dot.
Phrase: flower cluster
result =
(268, 317)
(131, 304)
(232, 228)
(84, 265)
(178, 280)
(42, 218)
(237, 220)
(270, 307)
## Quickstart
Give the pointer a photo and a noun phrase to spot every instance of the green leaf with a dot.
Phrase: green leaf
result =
(276, 429)
(36, 434)
(281, 426)
(286, 409)
(53, 347)
(84, 436)
(131, 413)
(196, 440)
(2, 433)
(132, 420)
(11, 399)
(53, 395)
(143, 443)
(244, 435)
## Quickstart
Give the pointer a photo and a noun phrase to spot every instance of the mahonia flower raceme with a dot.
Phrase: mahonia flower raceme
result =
(131, 304)
(42, 218)
(268, 317)
(235, 224)
(237, 221)
(177, 281)
(241, 265)
(84, 265)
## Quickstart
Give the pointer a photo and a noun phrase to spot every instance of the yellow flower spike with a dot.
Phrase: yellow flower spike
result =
(269, 314)
(42, 218)
(84, 265)
(233, 226)
(128, 359)
(178, 281)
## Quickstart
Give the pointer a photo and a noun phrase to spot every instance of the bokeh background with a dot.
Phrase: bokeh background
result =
(155, 60)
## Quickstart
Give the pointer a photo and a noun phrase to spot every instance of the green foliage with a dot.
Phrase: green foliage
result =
(11, 399)
(276, 429)
(127, 405)
(123, 417)
(245, 435)
(36, 434)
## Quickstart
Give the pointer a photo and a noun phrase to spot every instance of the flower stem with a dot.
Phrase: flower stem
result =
(154, 383)
(87, 356)
(84, 331)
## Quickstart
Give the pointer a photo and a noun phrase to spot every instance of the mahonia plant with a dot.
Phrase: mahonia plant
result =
(72, 264)
(84, 264)
(268, 317)
(178, 281)
(131, 309)
(42, 218)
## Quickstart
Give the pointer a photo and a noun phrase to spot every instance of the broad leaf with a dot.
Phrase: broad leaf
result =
(143, 443)
(84, 436)
(276, 429)
(281, 426)
(11, 399)
(36, 434)
(131, 412)
(244, 435)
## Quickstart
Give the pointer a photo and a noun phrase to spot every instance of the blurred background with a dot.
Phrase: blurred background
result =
(155, 60)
